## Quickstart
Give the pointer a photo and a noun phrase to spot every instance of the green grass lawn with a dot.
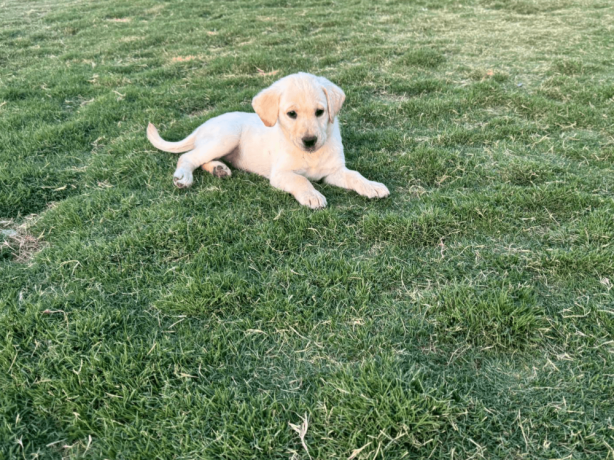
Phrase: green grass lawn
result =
(468, 315)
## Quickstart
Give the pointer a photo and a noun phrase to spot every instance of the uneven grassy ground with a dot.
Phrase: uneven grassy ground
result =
(471, 314)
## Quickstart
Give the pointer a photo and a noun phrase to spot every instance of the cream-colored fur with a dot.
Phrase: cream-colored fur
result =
(276, 142)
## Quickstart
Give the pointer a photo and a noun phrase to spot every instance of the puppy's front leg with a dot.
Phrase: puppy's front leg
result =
(300, 188)
(353, 180)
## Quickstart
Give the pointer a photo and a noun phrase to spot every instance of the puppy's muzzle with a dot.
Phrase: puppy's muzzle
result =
(309, 142)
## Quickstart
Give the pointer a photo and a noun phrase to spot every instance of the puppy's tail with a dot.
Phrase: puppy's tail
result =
(173, 147)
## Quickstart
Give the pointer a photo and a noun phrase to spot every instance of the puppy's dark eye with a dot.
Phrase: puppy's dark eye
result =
(319, 112)
(292, 114)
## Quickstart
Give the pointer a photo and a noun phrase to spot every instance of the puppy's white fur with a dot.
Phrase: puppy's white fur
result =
(271, 141)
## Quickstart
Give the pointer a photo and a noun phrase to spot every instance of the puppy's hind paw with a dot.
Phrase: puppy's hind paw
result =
(221, 171)
(183, 178)
(217, 169)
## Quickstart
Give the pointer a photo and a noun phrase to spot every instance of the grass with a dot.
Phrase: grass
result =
(470, 315)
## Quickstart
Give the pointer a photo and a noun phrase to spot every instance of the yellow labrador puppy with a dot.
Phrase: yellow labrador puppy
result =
(294, 136)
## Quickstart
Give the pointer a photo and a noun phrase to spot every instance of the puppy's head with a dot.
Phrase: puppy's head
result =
(304, 105)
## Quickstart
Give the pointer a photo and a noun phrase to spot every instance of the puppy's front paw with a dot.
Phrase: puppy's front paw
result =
(372, 189)
(183, 178)
(312, 198)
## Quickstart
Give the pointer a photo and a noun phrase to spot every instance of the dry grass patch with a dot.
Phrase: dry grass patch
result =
(183, 58)
(17, 243)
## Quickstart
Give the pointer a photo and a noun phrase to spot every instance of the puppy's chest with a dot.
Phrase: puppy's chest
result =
(315, 166)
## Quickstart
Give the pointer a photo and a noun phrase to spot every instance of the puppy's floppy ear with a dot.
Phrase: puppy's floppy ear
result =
(334, 97)
(266, 105)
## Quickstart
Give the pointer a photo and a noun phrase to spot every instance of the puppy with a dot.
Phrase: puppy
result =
(292, 138)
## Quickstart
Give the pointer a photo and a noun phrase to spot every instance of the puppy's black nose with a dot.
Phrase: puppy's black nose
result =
(309, 141)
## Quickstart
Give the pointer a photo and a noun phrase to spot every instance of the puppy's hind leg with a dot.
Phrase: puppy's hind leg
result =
(203, 155)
